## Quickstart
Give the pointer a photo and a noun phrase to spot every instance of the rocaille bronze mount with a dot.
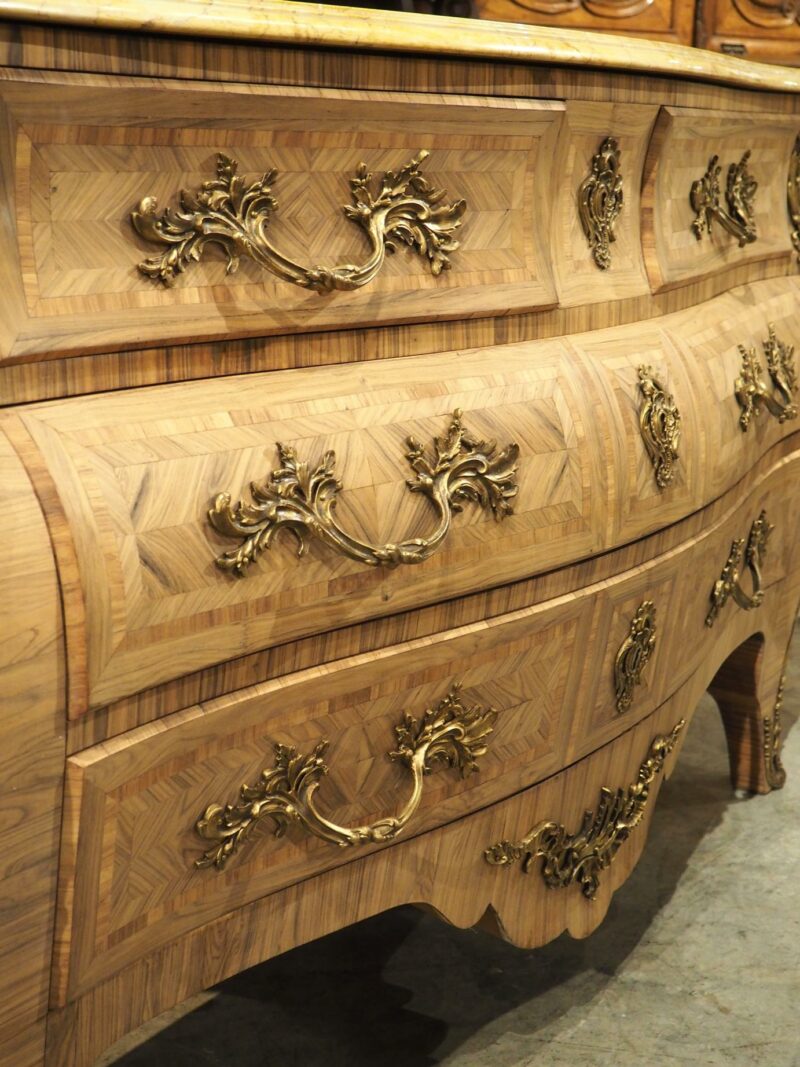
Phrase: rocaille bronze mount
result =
(773, 765)
(600, 201)
(749, 553)
(634, 654)
(401, 208)
(753, 393)
(451, 734)
(660, 424)
(738, 219)
(583, 856)
(301, 500)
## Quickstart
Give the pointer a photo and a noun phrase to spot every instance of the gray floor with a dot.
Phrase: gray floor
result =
(697, 963)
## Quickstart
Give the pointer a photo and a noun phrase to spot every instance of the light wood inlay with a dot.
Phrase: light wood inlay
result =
(135, 473)
(547, 670)
(32, 690)
(681, 147)
(83, 166)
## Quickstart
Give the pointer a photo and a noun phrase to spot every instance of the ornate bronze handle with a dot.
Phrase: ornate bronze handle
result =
(634, 654)
(581, 857)
(302, 501)
(600, 201)
(403, 208)
(740, 191)
(752, 553)
(450, 734)
(752, 391)
(660, 423)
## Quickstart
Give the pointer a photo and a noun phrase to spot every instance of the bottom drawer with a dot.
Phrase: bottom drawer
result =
(583, 830)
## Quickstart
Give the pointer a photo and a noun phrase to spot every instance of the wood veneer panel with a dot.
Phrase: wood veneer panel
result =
(387, 31)
(683, 142)
(136, 471)
(443, 869)
(97, 726)
(87, 151)
(548, 670)
(32, 726)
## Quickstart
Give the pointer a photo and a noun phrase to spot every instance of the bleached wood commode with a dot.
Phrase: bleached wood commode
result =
(541, 465)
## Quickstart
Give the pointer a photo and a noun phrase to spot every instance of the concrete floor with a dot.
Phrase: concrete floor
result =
(697, 963)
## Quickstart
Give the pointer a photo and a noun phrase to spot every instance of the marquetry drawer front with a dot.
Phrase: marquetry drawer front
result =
(683, 428)
(508, 702)
(268, 171)
(406, 482)
(714, 193)
(136, 800)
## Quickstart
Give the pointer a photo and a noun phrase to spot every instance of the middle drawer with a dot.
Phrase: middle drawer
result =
(563, 677)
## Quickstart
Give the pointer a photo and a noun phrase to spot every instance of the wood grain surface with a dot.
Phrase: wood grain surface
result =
(129, 840)
(32, 727)
(136, 471)
(680, 150)
(87, 151)
(443, 869)
(658, 20)
(387, 31)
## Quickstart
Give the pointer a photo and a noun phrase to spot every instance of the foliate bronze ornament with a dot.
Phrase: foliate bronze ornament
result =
(401, 207)
(582, 857)
(600, 201)
(301, 500)
(451, 734)
(749, 553)
(793, 195)
(634, 654)
(753, 393)
(660, 423)
(773, 740)
(740, 190)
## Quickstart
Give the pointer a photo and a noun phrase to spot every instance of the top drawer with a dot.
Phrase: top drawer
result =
(81, 154)
(714, 193)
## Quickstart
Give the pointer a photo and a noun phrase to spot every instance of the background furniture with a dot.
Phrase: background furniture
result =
(541, 463)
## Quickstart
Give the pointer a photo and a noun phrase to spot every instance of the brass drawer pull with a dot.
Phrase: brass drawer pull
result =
(740, 191)
(450, 734)
(402, 208)
(752, 391)
(660, 423)
(600, 201)
(750, 552)
(634, 654)
(302, 501)
(582, 857)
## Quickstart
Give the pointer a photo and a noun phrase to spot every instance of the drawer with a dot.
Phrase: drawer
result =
(553, 676)
(680, 154)
(659, 19)
(128, 479)
(85, 151)
(767, 32)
